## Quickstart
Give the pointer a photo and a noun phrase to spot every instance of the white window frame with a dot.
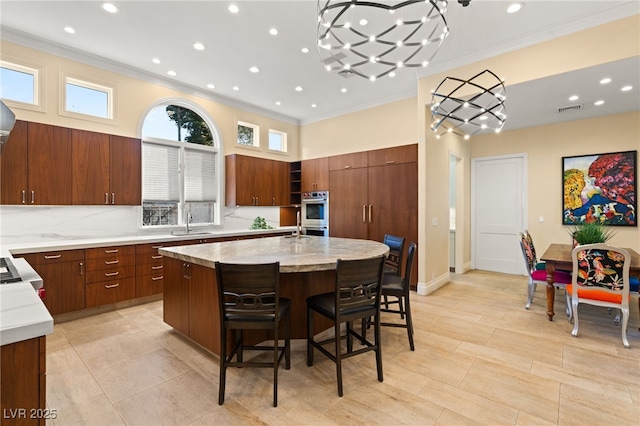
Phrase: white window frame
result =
(38, 85)
(283, 136)
(256, 135)
(182, 148)
(110, 91)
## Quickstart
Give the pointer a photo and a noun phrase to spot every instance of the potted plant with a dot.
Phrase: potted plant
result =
(590, 233)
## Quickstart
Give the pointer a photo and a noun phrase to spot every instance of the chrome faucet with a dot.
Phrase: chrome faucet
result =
(298, 225)
(188, 220)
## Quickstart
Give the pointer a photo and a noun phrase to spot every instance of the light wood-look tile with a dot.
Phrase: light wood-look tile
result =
(481, 359)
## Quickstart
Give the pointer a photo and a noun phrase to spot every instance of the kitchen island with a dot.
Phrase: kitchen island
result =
(307, 267)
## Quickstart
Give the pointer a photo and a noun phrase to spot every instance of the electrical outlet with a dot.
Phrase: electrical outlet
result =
(434, 221)
(541, 219)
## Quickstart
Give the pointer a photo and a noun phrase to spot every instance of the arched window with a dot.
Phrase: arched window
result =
(180, 166)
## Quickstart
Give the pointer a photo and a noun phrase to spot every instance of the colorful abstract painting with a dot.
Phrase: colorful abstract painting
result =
(600, 188)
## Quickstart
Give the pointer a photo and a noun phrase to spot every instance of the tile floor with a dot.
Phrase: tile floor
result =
(480, 358)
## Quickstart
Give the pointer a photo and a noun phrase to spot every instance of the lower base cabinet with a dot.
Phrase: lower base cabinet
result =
(109, 292)
(23, 383)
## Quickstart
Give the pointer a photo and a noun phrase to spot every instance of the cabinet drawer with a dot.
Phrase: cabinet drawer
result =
(157, 266)
(120, 272)
(395, 155)
(151, 248)
(112, 251)
(111, 262)
(149, 284)
(108, 292)
(348, 161)
(37, 259)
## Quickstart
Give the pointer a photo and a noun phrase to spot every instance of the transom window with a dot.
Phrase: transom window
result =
(277, 141)
(248, 134)
(83, 97)
(19, 83)
(180, 168)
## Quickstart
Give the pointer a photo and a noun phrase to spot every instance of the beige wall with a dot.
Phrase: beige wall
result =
(545, 146)
(133, 99)
(392, 124)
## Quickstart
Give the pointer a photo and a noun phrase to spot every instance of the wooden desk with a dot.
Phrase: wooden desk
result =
(558, 256)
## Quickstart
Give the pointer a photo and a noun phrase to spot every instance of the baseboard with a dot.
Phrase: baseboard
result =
(424, 289)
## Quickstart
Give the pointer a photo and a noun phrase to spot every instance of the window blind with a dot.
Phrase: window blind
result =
(161, 180)
(199, 175)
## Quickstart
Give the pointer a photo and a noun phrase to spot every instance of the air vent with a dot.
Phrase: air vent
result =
(570, 108)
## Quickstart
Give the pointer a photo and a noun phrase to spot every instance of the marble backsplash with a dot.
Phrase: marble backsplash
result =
(21, 225)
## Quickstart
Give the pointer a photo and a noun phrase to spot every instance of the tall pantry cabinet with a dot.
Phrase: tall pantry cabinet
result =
(375, 193)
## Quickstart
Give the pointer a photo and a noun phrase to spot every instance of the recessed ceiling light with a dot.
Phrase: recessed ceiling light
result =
(254, 69)
(574, 97)
(211, 86)
(343, 90)
(110, 7)
(363, 22)
(233, 8)
(70, 30)
(299, 89)
(278, 103)
(236, 88)
(273, 31)
(514, 7)
(198, 46)
(626, 88)
(598, 103)
(305, 50)
(155, 60)
(392, 74)
(313, 105)
(606, 80)
(172, 73)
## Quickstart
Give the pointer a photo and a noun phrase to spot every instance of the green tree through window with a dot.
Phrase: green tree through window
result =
(197, 130)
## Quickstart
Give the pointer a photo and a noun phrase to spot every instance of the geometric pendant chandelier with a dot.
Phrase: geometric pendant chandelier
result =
(468, 107)
(375, 39)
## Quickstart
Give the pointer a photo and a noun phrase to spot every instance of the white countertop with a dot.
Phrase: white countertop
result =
(22, 314)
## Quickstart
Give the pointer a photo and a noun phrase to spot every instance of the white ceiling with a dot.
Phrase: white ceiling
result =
(127, 41)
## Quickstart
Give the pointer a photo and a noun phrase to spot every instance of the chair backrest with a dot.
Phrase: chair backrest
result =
(408, 269)
(532, 247)
(396, 251)
(249, 290)
(528, 252)
(602, 270)
(358, 286)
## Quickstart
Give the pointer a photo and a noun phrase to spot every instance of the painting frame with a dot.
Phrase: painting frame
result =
(600, 188)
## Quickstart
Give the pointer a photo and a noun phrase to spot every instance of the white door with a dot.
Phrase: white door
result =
(497, 212)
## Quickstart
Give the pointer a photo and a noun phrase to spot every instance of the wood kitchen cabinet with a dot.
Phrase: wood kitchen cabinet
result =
(149, 269)
(176, 294)
(62, 273)
(315, 174)
(106, 169)
(381, 198)
(110, 275)
(35, 167)
(23, 383)
(252, 181)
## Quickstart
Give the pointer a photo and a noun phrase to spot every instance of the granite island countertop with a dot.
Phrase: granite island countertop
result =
(305, 254)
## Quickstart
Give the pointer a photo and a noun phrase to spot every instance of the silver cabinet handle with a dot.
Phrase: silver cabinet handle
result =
(157, 278)
(106, 198)
(111, 262)
(347, 167)
(81, 268)
(157, 267)
(54, 256)
(274, 201)
(112, 285)
(391, 162)
(24, 197)
(112, 251)
(33, 197)
(157, 257)
(370, 218)
(111, 274)
(113, 198)
(364, 213)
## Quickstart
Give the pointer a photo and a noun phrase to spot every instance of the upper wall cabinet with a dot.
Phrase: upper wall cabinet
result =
(315, 174)
(252, 181)
(106, 169)
(35, 167)
(353, 160)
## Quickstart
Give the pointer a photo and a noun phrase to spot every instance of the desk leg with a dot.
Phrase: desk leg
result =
(550, 267)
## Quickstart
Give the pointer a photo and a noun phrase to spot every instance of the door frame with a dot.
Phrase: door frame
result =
(525, 174)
